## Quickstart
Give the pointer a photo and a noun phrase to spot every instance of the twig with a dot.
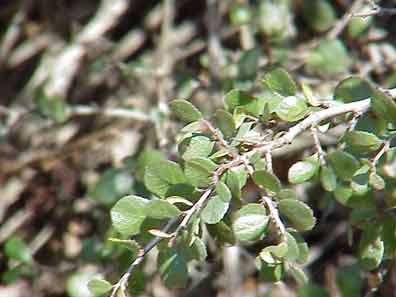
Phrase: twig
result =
(340, 25)
(13, 31)
(214, 46)
(219, 137)
(274, 215)
(123, 281)
(41, 238)
(58, 70)
(81, 110)
(379, 153)
(314, 119)
(269, 203)
(165, 66)
(14, 222)
(195, 208)
(377, 11)
(268, 160)
(318, 146)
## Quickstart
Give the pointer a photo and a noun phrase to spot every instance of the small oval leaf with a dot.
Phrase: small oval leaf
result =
(185, 111)
(267, 180)
(225, 122)
(128, 214)
(291, 109)
(362, 142)
(99, 286)
(214, 210)
(344, 164)
(328, 179)
(161, 209)
(280, 81)
(250, 223)
(300, 214)
(302, 171)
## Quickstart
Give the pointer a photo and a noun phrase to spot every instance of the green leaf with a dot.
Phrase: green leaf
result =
(388, 233)
(128, 214)
(280, 81)
(328, 179)
(270, 272)
(113, 184)
(240, 14)
(199, 171)
(161, 209)
(236, 179)
(267, 180)
(352, 89)
(384, 106)
(345, 165)
(293, 250)
(291, 109)
(129, 244)
(286, 194)
(302, 171)
(343, 194)
(274, 254)
(51, 106)
(225, 122)
(15, 248)
(173, 268)
(198, 249)
(300, 214)
(160, 176)
(77, 284)
(185, 111)
(362, 142)
(298, 274)
(303, 249)
(196, 146)
(214, 210)
(248, 64)
(222, 232)
(330, 57)
(376, 181)
(319, 14)
(349, 280)
(237, 98)
(99, 286)
(250, 223)
(311, 290)
(358, 26)
(274, 19)
(146, 157)
(223, 192)
(371, 248)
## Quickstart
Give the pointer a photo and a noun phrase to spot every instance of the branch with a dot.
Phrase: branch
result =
(196, 207)
(122, 283)
(340, 25)
(318, 146)
(314, 119)
(81, 110)
(377, 10)
(274, 215)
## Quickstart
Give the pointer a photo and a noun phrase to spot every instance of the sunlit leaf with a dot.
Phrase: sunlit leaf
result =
(99, 286)
(128, 214)
(250, 222)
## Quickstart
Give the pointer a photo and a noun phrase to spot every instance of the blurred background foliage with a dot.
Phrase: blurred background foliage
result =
(85, 87)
